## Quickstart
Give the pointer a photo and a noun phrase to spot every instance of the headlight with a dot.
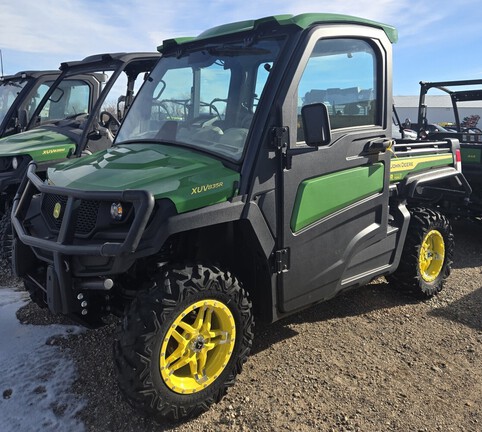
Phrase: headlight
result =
(8, 163)
(116, 211)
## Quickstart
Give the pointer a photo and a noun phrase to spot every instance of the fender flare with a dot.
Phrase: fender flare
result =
(424, 184)
(229, 211)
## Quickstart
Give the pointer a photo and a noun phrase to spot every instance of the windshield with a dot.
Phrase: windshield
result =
(204, 99)
(9, 91)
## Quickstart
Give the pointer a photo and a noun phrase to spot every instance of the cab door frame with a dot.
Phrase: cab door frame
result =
(349, 244)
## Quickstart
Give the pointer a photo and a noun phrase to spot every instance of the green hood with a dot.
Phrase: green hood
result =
(39, 143)
(190, 180)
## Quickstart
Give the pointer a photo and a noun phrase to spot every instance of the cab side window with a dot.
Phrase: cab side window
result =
(37, 97)
(340, 73)
(70, 98)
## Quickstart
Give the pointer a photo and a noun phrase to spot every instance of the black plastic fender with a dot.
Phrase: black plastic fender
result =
(426, 184)
(228, 211)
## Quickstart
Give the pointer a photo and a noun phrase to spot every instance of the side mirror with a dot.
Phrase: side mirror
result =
(56, 95)
(22, 119)
(316, 124)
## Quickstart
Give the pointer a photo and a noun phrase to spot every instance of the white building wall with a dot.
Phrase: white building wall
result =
(438, 115)
(439, 109)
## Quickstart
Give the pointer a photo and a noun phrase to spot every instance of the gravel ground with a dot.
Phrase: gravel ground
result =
(373, 359)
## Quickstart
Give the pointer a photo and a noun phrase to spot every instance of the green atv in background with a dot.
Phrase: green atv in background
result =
(461, 93)
(254, 175)
(79, 114)
(20, 95)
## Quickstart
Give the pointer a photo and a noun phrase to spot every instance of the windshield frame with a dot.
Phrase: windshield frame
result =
(24, 84)
(243, 57)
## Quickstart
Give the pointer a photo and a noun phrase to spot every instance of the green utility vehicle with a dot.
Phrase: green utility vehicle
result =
(254, 175)
(20, 95)
(462, 94)
(79, 114)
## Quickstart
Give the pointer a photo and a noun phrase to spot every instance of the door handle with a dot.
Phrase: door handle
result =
(379, 145)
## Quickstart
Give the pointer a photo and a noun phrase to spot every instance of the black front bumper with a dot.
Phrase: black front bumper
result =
(142, 202)
(62, 250)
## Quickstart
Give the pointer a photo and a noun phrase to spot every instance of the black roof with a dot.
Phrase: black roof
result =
(110, 57)
(29, 74)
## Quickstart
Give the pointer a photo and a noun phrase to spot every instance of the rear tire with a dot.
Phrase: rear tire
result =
(427, 254)
(182, 342)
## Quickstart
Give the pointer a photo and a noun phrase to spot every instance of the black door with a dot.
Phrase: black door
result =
(335, 199)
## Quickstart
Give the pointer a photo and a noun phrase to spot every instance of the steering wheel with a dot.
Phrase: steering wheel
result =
(214, 109)
(109, 121)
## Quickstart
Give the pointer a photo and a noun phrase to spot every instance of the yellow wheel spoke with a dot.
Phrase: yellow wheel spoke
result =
(206, 327)
(181, 347)
(221, 334)
(181, 340)
(210, 345)
(202, 358)
(187, 358)
(198, 323)
(176, 355)
(197, 367)
(187, 327)
(193, 365)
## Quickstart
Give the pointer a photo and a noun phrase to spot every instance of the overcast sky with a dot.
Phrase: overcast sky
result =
(438, 39)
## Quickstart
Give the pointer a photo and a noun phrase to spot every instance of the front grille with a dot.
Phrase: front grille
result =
(86, 215)
(48, 205)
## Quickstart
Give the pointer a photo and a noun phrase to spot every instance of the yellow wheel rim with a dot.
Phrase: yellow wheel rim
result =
(432, 254)
(197, 346)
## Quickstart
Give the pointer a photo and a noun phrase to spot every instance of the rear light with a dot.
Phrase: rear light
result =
(458, 160)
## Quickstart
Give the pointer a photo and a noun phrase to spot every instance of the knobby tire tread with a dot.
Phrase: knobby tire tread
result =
(133, 347)
(407, 275)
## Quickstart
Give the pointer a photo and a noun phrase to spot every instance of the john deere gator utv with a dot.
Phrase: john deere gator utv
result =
(462, 93)
(254, 175)
(20, 95)
(79, 114)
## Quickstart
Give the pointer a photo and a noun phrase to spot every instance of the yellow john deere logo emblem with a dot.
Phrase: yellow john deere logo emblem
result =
(57, 209)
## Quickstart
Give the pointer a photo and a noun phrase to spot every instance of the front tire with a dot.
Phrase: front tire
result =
(6, 241)
(183, 342)
(427, 254)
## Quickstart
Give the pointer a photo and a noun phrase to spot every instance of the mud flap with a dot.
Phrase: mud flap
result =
(54, 299)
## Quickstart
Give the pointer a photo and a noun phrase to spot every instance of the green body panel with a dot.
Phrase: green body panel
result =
(319, 197)
(189, 179)
(40, 144)
(471, 155)
(303, 21)
(401, 167)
